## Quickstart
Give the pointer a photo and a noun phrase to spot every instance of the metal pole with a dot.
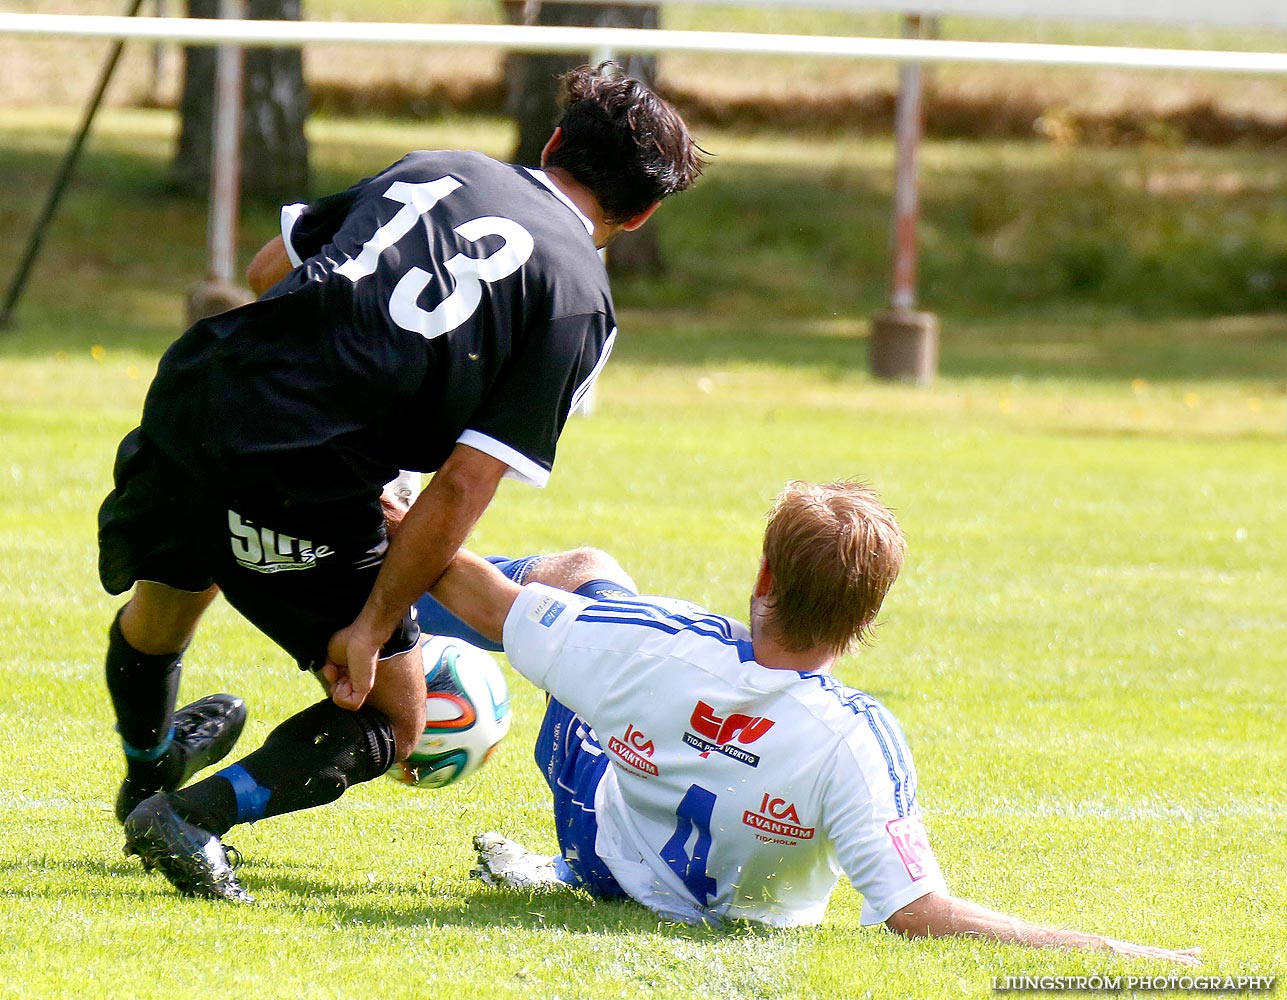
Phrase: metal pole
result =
(63, 177)
(225, 168)
(598, 57)
(904, 341)
(907, 136)
(158, 60)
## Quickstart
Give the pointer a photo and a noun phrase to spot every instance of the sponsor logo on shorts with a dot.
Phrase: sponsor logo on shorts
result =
(547, 609)
(777, 822)
(260, 548)
(635, 748)
(715, 734)
(912, 845)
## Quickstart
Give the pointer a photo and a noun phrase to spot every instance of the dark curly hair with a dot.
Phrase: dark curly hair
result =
(622, 141)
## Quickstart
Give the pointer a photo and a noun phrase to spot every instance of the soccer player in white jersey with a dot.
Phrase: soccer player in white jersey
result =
(717, 772)
(445, 316)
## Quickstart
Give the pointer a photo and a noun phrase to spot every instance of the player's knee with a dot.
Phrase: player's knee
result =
(599, 565)
(569, 570)
(399, 693)
(596, 561)
(406, 722)
(406, 734)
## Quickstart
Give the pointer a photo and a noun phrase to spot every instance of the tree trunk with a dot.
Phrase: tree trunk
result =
(274, 150)
(532, 99)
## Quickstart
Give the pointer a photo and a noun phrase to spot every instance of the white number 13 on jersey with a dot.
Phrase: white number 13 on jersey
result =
(469, 273)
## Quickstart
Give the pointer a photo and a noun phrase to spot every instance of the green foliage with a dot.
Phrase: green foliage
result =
(1085, 648)
(1174, 232)
(1045, 231)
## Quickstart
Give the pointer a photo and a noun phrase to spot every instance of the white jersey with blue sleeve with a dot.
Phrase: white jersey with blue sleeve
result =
(734, 791)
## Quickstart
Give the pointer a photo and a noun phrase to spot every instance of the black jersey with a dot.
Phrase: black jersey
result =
(451, 298)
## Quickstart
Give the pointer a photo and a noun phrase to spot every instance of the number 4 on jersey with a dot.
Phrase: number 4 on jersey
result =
(694, 813)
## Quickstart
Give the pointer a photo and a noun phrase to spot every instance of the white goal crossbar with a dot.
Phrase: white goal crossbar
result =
(537, 38)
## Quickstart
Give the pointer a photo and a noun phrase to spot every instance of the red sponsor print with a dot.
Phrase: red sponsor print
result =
(912, 845)
(634, 749)
(779, 818)
(714, 734)
(746, 728)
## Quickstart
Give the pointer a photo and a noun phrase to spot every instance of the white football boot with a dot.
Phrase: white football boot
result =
(502, 862)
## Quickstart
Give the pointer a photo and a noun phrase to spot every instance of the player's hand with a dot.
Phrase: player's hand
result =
(394, 511)
(1186, 956)
(351, 658)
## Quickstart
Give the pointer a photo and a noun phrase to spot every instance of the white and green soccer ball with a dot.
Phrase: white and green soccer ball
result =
(467, 714)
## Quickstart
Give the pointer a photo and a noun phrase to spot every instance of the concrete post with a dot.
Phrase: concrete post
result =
(904, 342)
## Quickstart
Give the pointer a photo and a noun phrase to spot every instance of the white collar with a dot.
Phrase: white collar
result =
(540, 176)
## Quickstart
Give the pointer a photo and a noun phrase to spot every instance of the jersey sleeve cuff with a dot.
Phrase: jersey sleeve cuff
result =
(891, 905)
(535, 629)
(290, 216)
(521, 467)
(582, 395)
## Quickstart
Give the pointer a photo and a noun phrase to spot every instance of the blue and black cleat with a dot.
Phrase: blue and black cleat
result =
(194, 860)
(204, 733)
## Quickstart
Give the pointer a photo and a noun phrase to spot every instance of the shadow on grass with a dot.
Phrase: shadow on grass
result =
(572, 911)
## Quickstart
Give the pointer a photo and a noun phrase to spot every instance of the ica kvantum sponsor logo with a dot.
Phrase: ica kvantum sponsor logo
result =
(264, 550)
(634, 748)
(777, 821)
(715, 734)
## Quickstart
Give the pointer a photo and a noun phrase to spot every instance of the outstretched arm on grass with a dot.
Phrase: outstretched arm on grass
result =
(939, 915)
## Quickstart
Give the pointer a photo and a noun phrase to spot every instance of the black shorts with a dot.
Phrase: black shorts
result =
(298, 572)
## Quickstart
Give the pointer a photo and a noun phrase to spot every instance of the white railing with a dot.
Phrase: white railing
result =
(535, 38)
(1225, 13)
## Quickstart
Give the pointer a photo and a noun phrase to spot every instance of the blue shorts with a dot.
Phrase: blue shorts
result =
(569, 755)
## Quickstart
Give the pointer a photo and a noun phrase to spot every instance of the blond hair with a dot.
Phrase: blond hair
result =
(833, 550)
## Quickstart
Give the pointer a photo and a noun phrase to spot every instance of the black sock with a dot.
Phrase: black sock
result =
(309, 760)
(144, 688)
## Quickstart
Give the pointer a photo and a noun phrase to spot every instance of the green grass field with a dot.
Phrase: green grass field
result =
(1086, 647)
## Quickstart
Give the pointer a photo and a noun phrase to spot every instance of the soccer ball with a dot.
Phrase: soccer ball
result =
(467, 705)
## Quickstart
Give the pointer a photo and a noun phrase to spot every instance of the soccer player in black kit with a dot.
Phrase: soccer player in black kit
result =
(443, 316)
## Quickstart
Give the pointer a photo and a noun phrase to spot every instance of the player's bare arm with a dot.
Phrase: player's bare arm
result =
(939, 915)
(477, 593)
(269, 266)
(428, 538)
